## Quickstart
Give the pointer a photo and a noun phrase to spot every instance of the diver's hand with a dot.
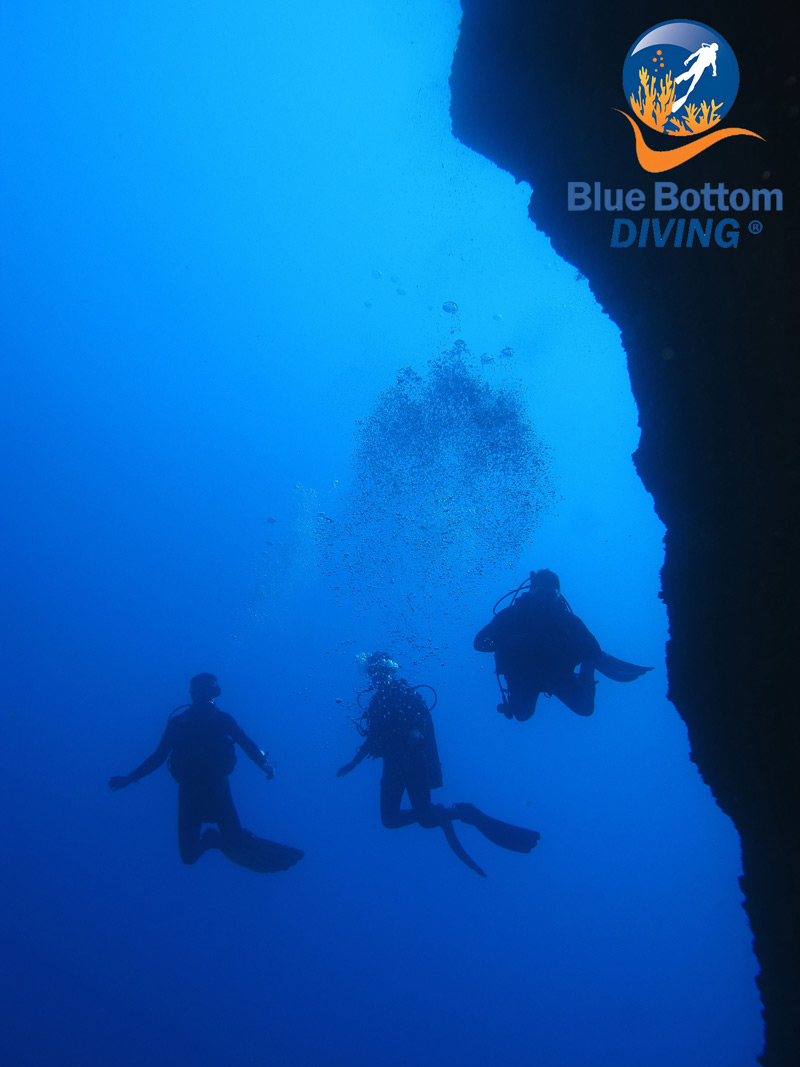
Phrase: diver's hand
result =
(346, 769)
(119, 781)
(415, 737)
(264, 765)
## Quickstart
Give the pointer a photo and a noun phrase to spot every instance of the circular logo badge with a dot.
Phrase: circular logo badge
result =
(680, 78)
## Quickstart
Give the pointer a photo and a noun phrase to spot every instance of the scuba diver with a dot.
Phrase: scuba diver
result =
(398, 728)
(199, 744)
(538, 642)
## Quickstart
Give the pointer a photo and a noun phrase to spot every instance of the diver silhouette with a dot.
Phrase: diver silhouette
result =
(398, 728)
(199, 744)
(538, 642)
(704, 57)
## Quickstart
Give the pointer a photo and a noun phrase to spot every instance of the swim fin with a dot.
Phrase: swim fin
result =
(515, 838)
(617, 669)
(258, 854)
(458, 848)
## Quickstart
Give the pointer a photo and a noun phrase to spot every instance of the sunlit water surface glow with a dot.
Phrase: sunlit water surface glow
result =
(208, 206)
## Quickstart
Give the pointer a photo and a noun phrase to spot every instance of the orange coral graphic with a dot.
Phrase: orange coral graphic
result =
(654, 103)
(694, 124)
(653, 108)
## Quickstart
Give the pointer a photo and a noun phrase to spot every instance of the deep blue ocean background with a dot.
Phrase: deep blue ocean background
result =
(228, 228)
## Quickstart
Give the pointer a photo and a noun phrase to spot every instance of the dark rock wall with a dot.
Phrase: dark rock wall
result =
(712, 343)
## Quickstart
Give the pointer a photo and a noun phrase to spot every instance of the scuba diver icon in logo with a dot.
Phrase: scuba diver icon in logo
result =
(680, 79)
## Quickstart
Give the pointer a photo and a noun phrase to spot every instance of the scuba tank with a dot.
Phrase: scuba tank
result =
(359, 721)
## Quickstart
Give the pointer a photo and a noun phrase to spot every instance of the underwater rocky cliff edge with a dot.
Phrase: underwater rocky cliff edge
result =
(711, 338)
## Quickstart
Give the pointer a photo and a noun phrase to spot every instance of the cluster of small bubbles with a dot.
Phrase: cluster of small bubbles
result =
(490, 357)
(286, 563)
(449, 484)
(393, 278)
(450, 306)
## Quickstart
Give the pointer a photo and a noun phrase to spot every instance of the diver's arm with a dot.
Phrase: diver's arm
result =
(485, 640)
(152, 763)
(361, 753)
(249, 747)
(510, 621)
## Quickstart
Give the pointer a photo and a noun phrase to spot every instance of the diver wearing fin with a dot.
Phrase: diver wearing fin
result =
(199, 744)
(538, 642)
(398, 728)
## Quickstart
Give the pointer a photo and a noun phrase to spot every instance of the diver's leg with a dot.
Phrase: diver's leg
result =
(190, 822)
(419, 793)
(393, 786)
(695, 80)
(522, 697)
(578, 691)
(429, 815)
(227, 818)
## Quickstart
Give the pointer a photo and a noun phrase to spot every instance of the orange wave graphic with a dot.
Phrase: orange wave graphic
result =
(656, 162)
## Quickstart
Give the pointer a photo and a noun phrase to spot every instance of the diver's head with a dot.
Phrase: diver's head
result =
(545, 584)
(203, 688)
(377, 666)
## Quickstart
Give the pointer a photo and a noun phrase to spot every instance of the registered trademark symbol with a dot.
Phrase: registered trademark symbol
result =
(755, 226)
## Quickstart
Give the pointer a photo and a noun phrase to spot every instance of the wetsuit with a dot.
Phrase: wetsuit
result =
(400, 732)
(538, 643)
(199, 744)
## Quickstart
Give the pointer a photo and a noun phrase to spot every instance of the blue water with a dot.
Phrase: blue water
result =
(206, 206)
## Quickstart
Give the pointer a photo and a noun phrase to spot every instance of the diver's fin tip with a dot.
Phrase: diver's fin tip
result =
(458, 848)
(514, 838)
(265, 857)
